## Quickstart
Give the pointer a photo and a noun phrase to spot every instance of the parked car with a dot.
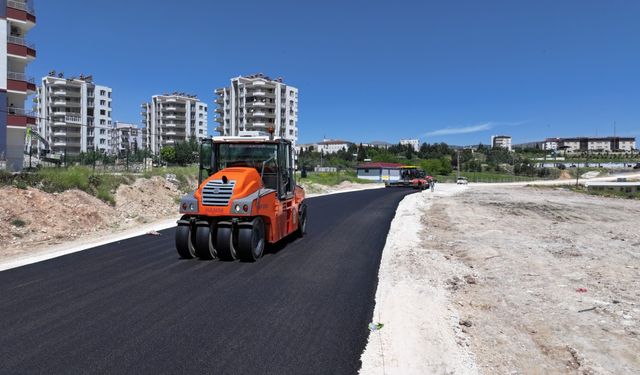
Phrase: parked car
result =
(637, 166)
(461, 181)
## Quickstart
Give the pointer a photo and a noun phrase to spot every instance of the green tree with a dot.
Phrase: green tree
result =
(168, 154)
(362, 153)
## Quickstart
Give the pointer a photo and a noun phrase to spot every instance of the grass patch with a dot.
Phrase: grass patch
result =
(56, 180)
(488, 177)
(604, 193)
(18, 223)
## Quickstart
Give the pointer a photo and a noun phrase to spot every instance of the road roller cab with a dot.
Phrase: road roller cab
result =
(246, 197)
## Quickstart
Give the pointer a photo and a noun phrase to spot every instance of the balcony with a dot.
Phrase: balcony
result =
(18, 46)
(258, 93)
(20, 117)
(20, 82)
(171, 108)
(259, 124)
(21, 11)
(60, 102)
(59, 93)
(256, 104)
(73, 119)
(219, 119)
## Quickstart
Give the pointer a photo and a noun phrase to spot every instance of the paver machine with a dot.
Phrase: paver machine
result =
(247, 197)
(410, 176)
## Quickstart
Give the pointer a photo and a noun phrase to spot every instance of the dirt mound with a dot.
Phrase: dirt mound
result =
(147, 200)
(32, 219)
(564, 175)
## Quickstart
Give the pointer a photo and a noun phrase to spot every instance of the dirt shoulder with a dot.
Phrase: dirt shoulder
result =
(421, 332)
(551, 278)
(509, 280)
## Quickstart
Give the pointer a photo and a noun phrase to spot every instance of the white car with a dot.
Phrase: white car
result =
(461, 181)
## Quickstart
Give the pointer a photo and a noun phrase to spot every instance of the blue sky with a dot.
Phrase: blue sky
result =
(454, 71)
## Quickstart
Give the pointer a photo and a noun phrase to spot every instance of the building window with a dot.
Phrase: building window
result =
(102, 131)
(103, 112)
(103, 102)
(103, 122)
(103, 93)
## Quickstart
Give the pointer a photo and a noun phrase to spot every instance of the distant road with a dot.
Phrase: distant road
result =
(134, 307)
(570, 181)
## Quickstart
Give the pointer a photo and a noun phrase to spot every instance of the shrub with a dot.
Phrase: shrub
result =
(95, 180)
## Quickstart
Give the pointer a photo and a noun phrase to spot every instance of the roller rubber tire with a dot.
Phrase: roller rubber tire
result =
(185, 242)
(302, 221)
(251, 241)
(204, 243)
(224, 244)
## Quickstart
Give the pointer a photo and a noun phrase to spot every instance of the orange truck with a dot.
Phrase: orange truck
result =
(247, 197)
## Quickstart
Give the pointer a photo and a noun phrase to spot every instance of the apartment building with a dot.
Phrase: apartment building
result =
(254, 104)
(125, 138)
(74, 114)
(172, 118)
(16, 19)
(501, 141)
(592, 144)
(411, 142)
(331, 146)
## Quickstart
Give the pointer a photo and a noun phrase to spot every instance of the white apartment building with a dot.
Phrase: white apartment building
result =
(17, 18)
(592, 144)
(411, 142)
(327, 146)
(254, 104)
(501, 141)
(173, 118)
(125, 138)
(74, 114)
(331, 146)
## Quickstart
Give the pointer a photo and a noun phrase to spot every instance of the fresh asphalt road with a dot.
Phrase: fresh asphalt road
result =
(135, 307)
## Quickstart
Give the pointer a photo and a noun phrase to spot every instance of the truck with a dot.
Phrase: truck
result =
(246, 197)
(410, 176)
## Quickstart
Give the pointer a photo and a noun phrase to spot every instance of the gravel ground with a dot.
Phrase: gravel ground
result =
(496, 279)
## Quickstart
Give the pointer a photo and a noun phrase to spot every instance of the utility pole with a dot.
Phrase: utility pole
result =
(458, 157)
